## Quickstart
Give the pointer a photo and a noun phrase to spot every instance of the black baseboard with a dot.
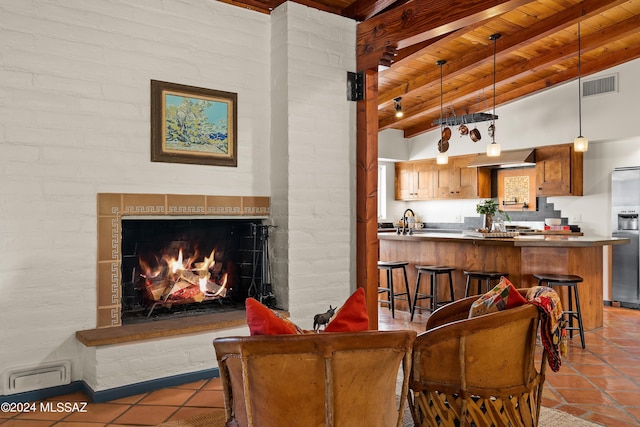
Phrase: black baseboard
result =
(623, 304)
(112, 393)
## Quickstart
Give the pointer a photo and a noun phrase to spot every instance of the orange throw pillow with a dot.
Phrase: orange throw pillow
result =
(263, 321)
(352, 316)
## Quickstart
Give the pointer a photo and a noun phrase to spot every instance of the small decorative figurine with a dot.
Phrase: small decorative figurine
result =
(323, 318)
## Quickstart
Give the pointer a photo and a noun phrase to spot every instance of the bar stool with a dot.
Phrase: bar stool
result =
(571, 281)
(433, 271)
(389, 266)
(480, 276)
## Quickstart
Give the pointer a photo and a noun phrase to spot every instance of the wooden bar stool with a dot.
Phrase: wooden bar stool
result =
(389, 267)
(482, 276)
(433, 271)
(570, 281)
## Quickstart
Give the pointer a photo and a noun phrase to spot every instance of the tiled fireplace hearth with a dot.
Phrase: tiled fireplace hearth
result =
(112, 207)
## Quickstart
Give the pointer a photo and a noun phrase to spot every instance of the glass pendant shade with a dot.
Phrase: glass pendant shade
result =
(493, 149)
(397, 104)
(580, 144)
(442, 158)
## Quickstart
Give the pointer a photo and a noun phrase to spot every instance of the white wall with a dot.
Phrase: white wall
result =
(548, 118)
(314, 168)
(74, 121)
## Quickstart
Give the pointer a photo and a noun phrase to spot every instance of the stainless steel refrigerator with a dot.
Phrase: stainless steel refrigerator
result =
(625, 207)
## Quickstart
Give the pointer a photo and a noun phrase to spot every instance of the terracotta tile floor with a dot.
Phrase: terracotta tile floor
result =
(600, 384)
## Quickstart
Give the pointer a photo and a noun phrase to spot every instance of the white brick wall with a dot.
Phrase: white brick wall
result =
(74, 121)
(313, 134)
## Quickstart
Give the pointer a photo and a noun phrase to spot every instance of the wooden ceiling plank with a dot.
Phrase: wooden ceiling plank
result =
(604, 61)
(408, 52)
(504, 45)
(321, 5)
(525, 67)
(258, 6)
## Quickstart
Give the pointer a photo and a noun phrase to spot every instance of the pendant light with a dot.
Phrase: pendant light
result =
(442, 158)
(397, 105)
(493, 149)
(580, 144)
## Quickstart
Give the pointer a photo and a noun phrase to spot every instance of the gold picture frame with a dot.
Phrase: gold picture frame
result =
(193, 125)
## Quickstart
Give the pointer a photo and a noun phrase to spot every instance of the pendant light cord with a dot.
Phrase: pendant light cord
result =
(579, 87)
(493, 119)
(495, 38)
(440, 100)
(440, 63)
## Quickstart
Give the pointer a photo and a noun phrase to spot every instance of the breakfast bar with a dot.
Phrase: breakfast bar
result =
(520, 256)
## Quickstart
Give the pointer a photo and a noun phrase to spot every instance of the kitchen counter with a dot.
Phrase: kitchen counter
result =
(521, 257)
(554, 240)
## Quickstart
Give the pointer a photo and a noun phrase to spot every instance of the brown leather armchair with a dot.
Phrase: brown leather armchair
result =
(480, 370)
(326, 379)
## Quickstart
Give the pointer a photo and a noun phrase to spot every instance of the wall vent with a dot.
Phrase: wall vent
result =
(20, 380)
(599, 86)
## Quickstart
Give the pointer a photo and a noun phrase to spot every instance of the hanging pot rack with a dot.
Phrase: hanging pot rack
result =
(466, 119)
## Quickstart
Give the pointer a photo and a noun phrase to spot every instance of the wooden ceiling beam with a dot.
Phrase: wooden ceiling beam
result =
(414, 51)
(458, 66)
(370, 61)
(361, 10)
(420, 20)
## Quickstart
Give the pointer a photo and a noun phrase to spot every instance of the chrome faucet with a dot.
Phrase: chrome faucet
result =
(405, 225)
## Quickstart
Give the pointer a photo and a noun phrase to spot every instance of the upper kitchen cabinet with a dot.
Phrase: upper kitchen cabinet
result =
(414, 180)
(558, 171)
(425, 180)
(457, 180)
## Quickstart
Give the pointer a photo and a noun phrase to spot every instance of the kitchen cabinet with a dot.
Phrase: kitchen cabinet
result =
(456, 180)
(426, 180)
(414, 180)
(559, 171)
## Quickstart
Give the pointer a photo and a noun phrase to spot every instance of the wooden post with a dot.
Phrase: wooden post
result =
(367, 194)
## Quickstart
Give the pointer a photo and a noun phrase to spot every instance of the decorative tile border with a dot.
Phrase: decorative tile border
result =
(113, 206)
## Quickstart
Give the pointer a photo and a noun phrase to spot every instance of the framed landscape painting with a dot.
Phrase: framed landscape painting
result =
(193, 125)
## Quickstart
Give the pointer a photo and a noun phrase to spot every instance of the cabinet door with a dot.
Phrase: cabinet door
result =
(553, 170)
(464, 180)
(424, 179)
(442, 178)
(405, 184)
(458, 181)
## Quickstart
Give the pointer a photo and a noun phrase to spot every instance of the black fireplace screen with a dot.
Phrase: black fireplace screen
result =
(179, 267)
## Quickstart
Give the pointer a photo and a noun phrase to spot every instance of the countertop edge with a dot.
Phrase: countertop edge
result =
(520, 241)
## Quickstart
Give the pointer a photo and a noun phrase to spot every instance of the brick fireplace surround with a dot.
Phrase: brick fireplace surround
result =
(111, 208)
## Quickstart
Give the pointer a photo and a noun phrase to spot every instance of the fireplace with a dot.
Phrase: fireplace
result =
(187, 266)
(137, 233)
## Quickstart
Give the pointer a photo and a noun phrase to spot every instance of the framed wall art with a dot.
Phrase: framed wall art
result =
(517, 189)
(193, 125)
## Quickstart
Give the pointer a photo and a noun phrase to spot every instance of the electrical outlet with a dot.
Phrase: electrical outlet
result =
(576, 219)
(458, 218)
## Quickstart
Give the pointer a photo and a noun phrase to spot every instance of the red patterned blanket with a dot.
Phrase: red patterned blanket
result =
(552, 324)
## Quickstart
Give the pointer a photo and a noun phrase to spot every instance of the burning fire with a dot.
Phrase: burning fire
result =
(175, 265)
(175, 280)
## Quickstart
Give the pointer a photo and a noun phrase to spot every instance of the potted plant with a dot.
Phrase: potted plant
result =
(489, 208)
